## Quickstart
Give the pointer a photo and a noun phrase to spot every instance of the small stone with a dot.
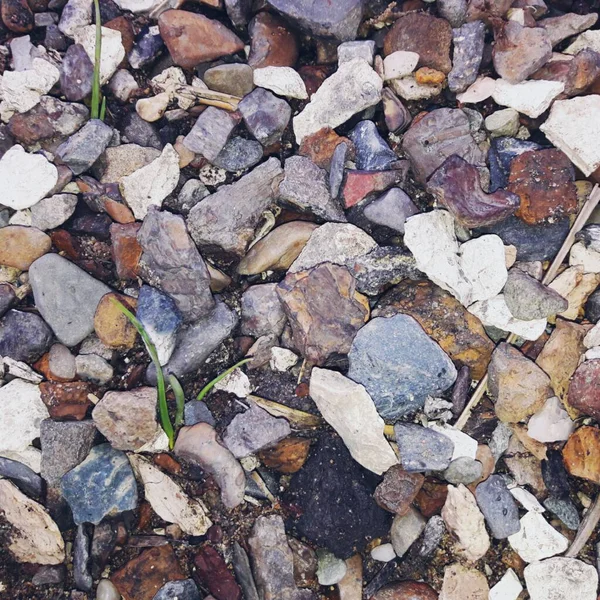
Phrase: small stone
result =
(464, 445)
(102, 485)
(331, 569)
(397, 116)
(398, 490)
(399, 64)
(347, 407)
(372, 153)
(94, 368)
(565, 510)
(359, 185)
(17, 16)
(532, 98)
(581, 452)
(185, 589)
(508, 588)
(107, 591)
(503, 123)
(562, 27)
(261, 311)
(480, 90)
(272, 42)
(68, 400)
(406, 590)
(552, 423)
(391, 209)
(52, 212)
(383, 553)
(468, 41)
(364, 49)
(112, 327)
(239, 154)
(200, 445)
(422, 449)
(123, 85)
(126, 250)
(265, 115)
(588, 258)
(463, 583)
(82, 149)
(76, 73)
(20, 246)
(498, 507)
(588, 39)
(283, 81)
(408, 88)
(406, 529)
(235, 79)
(537, 539)
(287, 456)
(210, 133)
(113, 51)
(153, 108)
(25, 478)
(463, 470)
(563, 578)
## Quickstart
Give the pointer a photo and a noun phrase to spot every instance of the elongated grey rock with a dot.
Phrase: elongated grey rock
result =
(498, 507)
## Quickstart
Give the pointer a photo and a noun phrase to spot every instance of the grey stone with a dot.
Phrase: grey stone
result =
(463, 470)
(262, 313)
(137, 131)
(8, 299)
(24, 336)
(75, 14)
(103, 485)
(239, 154)
(228, 218)
(498, 507)
(399, 364)
(336, 169)
(331, 570)
(454, 11)
(406, 529)
(391, 209)
(305, 187)
(565, 510)
(27, 480)
(243, 572)
(92, 367)
(210, 133)
(81, 556)
(239, 12)
(254, 430)
(422, 449)
(192, 192)
(76, 73)
(468, 51)
(564, 26)
(52, 212)
(372, 153)
(84, 148)
(185, 589)
(265, 115)
(197, 412)
(49, 575)
(433, 533)
(236, 79)
(364, 49)
(171, 262)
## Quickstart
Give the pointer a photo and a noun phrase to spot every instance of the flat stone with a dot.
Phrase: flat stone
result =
(564, 26)
(184, 589)
(54, 278)
(422, 449)
(272, 41)
(391, 209)
(283, 81)
(588, 258)
(126, 250)
(398, 490)
(503, 123)
(588, 39)
(102, 485)
(112, 327)
(52, 212)
(464, 445)
(25, 478)
(552, 423)
(532, 98)
(239, 154)
(468, 41)
(200, 445)
(76, 73)
(348, 408)
(288, 456)
(463, 583)
(212, 574)
(265, 115)
(84, 148)
(372, 152)
(24, 336)
(508, 588)
(537, 539)
(210, 133)
(400, 63)
(565, 510)
(408, 88)
(406, 529)
(498, 507)
(581, 452)
(261, 311)
(235, 79)
(562, 577)
(112, 53)
(360, 185)
(322, 148)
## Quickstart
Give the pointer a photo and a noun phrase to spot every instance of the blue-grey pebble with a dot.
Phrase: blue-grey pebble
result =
(26, 479)
(422, 449)
(498, 507)
(463, 470)
(239, 154)
(372, 152)
(197, 412)
(565, 510)
(185, 589)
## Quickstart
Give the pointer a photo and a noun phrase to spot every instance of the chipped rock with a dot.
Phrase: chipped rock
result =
(283, 81)
(498, 507)
(423, 449)
(468, 43)
(508, 588)
(463, 583)
(537, 539)
(113, 51)
(406, 529)
(552, 423)
(531, 98)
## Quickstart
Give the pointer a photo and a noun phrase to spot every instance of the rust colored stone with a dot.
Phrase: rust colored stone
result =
(581, 454)
(288, 456)
(117, 211)
(359, 184)
(429, 76)
(398, 490)
(545, 182)
(584, 391)
(167, 463)
(126, 249)
(406, 590)
(487, 10)
(320, 146)
(272, 42)
(313, 76)
(17, 16)
(112, 327)
(457, 331)
(431, 497)
(66, 400)
(212, 573)
(66, 243)
(20, 246)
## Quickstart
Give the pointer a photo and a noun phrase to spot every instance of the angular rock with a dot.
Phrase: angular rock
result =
(76, 73)
(52, 212)
(372, 152)
(112, 327)
(283, 81)
(17, 16)
(537, 539)
(391, 209)
(212, 573)
(498, 507)
(331, 570)
(272, 42)
(359, 185)
(406, 529)
(468, 41)
(463, 470)
(508, 588)
(210, 133)
(503, 123)
(238, 154)
(265, 115)
(580, 454)
(551, 424)
(563, 578)
(422, 449)
(463, 583)
(84, 148)
(565, 510)
(567, 25)
(398, 490)
(112, 53)
(532, 98)
(23, 336)
(262, 313)
(184, 589)
(126, 250)
(288, 456)
(26, 479)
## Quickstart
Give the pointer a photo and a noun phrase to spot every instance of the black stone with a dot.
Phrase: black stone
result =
(555, 475)
(81, 557)
(333, 498)
(500, 156)
(592, 307)
(24, 336)
(372, 152)
(27, 480)
(96, 225)
(104, 542)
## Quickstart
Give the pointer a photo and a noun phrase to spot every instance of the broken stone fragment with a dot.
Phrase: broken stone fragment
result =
(532, 98)
(468, 43)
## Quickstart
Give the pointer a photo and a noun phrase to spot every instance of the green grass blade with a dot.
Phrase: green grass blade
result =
(95, 105)
(179, 399)
(209, 386)
(103, 108)
(163, 409)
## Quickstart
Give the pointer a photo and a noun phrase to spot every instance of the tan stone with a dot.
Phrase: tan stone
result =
(462, 583)
(113, 328)
(582, 454)
(20, 246)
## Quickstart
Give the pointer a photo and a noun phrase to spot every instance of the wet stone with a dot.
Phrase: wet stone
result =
(372, 152)
(239, 154)
(23, 336)
(265, 115)
(422, 449)
(498, 507)
(76, 74)
(398, 490)
(468, 43)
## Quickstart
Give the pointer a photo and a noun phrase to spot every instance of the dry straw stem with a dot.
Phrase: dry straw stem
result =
(210, 98)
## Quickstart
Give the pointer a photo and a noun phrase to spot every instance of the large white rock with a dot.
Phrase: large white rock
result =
(399, 64)
(34, 536)
(551, 424)
(572, 128)
(349, 409)
(531, 98)
(587, 39)
(495, 313)
(508, 588)
(283, 81)
(537, 539)
(483, 261)
(561, 579)
(25, 178)
(151, 184)
(22, 412)
(168, 500)
(113, 51)
(352, 88)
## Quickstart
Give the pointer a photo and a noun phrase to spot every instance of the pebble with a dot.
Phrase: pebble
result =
(463, 583)
(331, 570)
(503, 123)
(239, 154)
(587, 39)
(235, 79)
(113, 51)
(200, 445)
(283, 81)
(20, 246)
(153, 108)
(408, 88)
(102, 485)
(91, 367)
(552, 423)
(372, 152)
(565, 510)
(397, 116)
(123, 85)
(126, 250)
(422, 449)
(261, 311)
(198, 412)
(354, 87)
(76, 73)
(532, 98)
(581, 452)
(210, 133)
(406, 529)
(564, 26)
(84, 148)
(344, 404)
(107, 591)
(588, 258)
(463, 470)
(168, 500)
(464, 445)
(399, 64)
(81, 555)
(25, 478)
(468, 41)
(272, 42)
(398, 490)
(527, 500)
(265, 115)
(359, 185)
(52, 212)
(149, 44)
(508, 588)
(561, 578)
(498, 507)
(357, 49)
(140, 189)
(383, 553)
(537, 539)
(391, 209)
(288, 456)
(112, 327)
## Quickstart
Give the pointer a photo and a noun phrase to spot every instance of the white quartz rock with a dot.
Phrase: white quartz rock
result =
(282, 359)
(383, 553)
(354, 87)
(25, 178)
(561, 579)
(283, 81)
(168, 500)
(113, 51)
(537, 539)
(531, 98)
(399, 64)
(508, 588)
(586, 257)
(526, 499)
(236, 383)
(587, 39)
(551, 424)
(349, 409)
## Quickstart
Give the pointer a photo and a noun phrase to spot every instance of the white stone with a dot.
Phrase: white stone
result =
(482, 89)
(551, 424)
(503, 123)
(75, 14)
(52, 212)
(464, 445)
(168, 500)
(586, 257)
(399, 64)
(571, 129)
(409, 89)
(383, 553)
(593, 353)
(483, 262)
(283, 81)
(587, 39)
(527, 500)
(152, 109)
(406, 529)
(22, 412)
(34, 536)
(236, 383)
(531, 98)
(123, 84)
(32, 457)
(349, 409)
(337, 243)
(21, 90)
(354, 87)
(22, 370)
(508, 588)
(537, 539)
(159, 444)
(592, 338)
(575, 285)
(152, 8)
(151, 184)
(495, 313)
(23, 52)
(113, 51)
(364, 49)
(464, 519)
(282, 359)
(561, 579)
(21, 217)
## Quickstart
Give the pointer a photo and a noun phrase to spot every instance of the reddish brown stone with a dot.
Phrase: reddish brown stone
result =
(398, 490)
(359, 184)
(117, 211)
(424, 34)
(66, 243)
(584, 391)
(143, 576)
(20, 245)
(313, 76)
(272, 43)
(429, 76)
(68, 400)
(288, 456)
(545, 182)
(167, 463)
(212, 573)
(193, 39)
(320, 146)
(406, 590)
(431, 497)
(486, 10)
(124, 27)
(126, 249)
(581, 454)
(17, 16)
